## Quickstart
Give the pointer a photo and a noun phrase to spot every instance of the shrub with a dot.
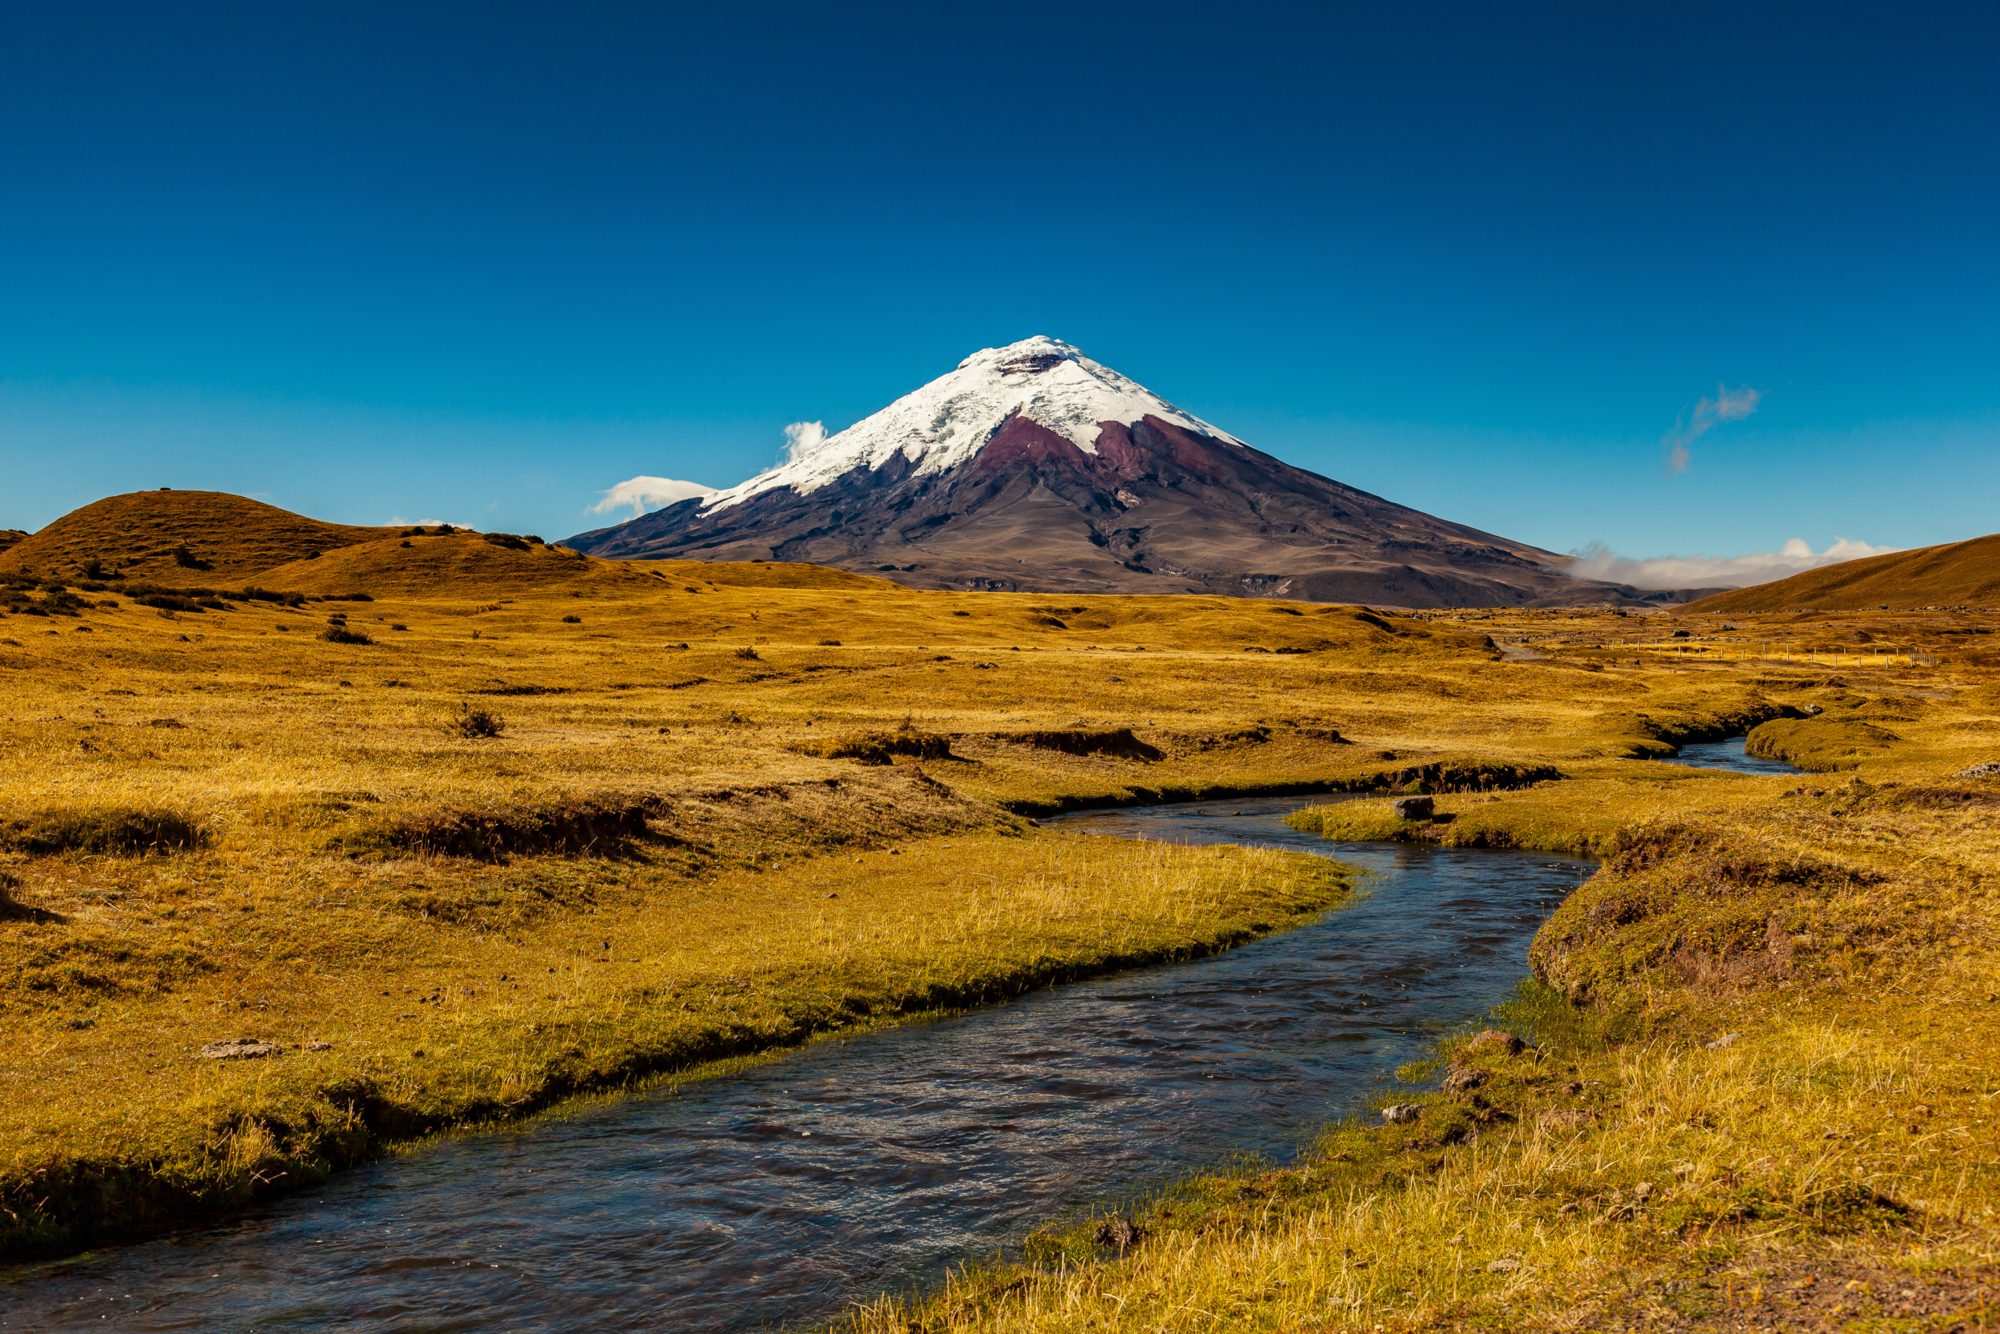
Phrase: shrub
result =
(474, 724)
(508, 540)
(824, 643)
(187, 560)
(168, 602)
(878, 747)
(128, 830)
(572, 620)
(748, 654)
(576, 828)
(1119, 742)
(340, 634)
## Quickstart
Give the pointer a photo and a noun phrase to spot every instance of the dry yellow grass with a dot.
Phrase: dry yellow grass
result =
(651, 786)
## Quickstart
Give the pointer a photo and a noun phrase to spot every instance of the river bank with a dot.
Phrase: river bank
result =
(548, 870)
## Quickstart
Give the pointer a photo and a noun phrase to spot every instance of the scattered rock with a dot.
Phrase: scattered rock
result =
(1401, 1113)
(1502, 1266)
(1643, 1191)
(1414, 808)
(1119, 1232)
(1458, 1081)
(985, 666)
(238, 1049)
(1989, 769)
(319, 1046)
(1723, 1041)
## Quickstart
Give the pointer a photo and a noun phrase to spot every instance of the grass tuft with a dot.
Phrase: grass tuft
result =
(476, 723)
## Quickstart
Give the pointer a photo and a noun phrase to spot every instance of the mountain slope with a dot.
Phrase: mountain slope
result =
(1033, 468)
(179, 537)
(1955, 574)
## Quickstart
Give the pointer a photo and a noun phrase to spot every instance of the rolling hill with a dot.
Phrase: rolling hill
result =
(179, 537)
(1956, 574)
(416, 564)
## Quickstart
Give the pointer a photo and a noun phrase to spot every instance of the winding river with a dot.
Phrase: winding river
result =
(782, 1193)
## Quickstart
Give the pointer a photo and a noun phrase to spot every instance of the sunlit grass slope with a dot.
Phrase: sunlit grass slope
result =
(558, 824)
(1956, 574)
(176, 537)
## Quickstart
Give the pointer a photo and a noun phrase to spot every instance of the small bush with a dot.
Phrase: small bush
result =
(168, 602)
(474, 724)
(572, 620)
(829, 643)
(254, 594)
(187, 560)
(508, 540)
(340, 634)
(575, 828)
(748, 654)
(129, 830)
(1119, 742)
(878, 747)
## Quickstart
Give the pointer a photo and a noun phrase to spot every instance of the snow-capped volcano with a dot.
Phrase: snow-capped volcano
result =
(1040, 380)
(1033, 468)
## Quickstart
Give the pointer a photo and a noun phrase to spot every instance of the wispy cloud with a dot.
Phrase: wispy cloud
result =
(399, 522)
(647, 493)
(802, 438)
(1728, 405)
(1598, 561)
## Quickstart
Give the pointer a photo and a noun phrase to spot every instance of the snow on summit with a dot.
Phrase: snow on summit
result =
(948, 421)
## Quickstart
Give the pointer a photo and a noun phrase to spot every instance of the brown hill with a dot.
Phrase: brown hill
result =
(457, 564)
(768, 574)
(9, 537)
(1957, 574)
(178, 537)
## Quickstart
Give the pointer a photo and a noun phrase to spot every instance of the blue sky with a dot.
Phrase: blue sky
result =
(479, 263)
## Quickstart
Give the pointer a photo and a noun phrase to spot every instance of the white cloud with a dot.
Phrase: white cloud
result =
(1728, 405)
(1598, 561)
(802, 438)
(644, 493)
(394, 522)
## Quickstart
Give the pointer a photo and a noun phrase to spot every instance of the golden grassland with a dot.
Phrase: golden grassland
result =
(218, 824)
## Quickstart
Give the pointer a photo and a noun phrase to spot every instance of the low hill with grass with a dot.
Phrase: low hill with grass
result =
(428, 561)
(177, 537)
(1957, 574)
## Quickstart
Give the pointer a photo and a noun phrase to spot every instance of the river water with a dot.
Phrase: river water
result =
(1730, 755)
(780, 1194)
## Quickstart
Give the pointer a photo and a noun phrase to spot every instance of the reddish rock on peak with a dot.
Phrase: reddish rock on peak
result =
(1033, 468)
